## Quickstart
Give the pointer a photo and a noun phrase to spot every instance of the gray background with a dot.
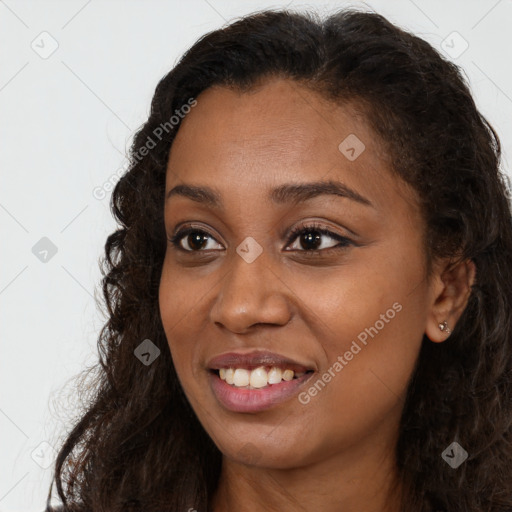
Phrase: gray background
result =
(76, 80)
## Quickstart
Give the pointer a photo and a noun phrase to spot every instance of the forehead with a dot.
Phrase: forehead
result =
(278, 132)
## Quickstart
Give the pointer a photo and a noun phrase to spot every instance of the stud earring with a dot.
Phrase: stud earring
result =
(444, 327)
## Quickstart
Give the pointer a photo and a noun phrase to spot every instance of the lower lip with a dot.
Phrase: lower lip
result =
(255, 400)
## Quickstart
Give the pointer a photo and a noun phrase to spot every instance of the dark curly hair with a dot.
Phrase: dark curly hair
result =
(138, 445)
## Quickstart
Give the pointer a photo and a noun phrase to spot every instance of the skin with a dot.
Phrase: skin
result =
(337, 451)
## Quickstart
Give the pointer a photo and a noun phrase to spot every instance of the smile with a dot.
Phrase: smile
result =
(257, 381)
(258, 378)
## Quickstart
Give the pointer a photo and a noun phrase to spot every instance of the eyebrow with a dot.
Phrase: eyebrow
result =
(287, 193)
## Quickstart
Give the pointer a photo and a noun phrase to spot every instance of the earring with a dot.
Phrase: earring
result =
(444, 327)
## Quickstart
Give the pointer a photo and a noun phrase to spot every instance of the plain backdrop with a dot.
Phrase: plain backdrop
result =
(76, 80)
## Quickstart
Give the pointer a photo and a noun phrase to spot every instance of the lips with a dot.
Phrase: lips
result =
(256, 359)
(260, 395)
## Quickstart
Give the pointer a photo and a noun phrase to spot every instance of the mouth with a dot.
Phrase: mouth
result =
(256, 381)
(258, 378)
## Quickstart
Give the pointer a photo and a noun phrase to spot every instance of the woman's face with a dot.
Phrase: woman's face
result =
(348, 307)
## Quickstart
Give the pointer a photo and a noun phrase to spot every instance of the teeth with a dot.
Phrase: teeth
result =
(257, 378)
(288, 375)
(274, 375)
(241, 378)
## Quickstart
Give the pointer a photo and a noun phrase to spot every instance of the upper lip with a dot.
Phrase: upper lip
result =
(255, 359)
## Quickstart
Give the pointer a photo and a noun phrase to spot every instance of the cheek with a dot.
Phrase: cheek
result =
(372, 314)
(185, 296)
(178, 301)
(370, 348)
(346, 300)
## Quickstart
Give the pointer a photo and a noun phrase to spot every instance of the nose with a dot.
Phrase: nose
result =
(250, 294)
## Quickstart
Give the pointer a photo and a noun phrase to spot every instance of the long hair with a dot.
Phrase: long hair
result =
(138, 444)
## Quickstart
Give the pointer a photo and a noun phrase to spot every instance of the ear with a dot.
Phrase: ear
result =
(451, 288)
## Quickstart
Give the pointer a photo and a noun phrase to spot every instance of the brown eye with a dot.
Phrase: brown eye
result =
(194, 238)
(310, 239)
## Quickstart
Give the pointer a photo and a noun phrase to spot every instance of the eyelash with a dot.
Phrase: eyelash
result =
(343, 241)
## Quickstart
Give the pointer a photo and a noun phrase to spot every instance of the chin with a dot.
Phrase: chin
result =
(276, 454)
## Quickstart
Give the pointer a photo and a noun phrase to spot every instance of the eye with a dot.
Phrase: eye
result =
(311, 238)
(196, 239)
(193, 237)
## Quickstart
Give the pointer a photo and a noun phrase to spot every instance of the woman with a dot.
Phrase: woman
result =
(310, 290)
